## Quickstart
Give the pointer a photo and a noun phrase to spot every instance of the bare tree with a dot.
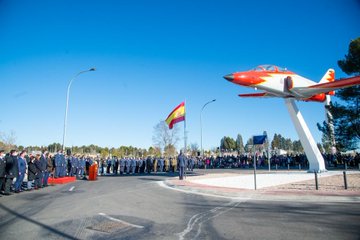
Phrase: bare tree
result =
(163, 137)
(7, 141)
(194, 149)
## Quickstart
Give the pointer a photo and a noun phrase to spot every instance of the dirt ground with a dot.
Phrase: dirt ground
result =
(328, 183)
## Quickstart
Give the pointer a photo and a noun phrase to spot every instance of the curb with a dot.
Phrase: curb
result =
(259, 195)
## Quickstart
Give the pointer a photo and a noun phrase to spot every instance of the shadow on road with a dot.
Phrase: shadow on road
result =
(23, 217)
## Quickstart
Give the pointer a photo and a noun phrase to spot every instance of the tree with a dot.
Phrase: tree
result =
(275, 143)
(297, 147)
(194, 149)
(7, 141)
(228, 143)
(163, 136)
(154, 151)
(170, 151)
(240, 144)
(346, 115)
(249, 145)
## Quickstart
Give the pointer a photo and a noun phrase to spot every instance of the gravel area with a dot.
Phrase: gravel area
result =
(325, 183)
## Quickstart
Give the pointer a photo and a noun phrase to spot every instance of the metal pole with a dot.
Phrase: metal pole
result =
(316, 181)
(67, 103)
(345, 180)
(254, 166)
(201, 145)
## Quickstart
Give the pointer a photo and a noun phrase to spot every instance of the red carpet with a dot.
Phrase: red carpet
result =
(62, 180)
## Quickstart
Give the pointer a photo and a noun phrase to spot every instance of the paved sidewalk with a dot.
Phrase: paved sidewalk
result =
(278, 186)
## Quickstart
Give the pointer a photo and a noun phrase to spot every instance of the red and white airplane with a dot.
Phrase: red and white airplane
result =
(279, 82)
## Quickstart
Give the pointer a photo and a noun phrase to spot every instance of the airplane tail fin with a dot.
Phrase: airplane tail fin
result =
(329, 77)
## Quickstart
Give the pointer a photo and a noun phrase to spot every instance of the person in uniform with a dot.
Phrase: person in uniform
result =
(191, 163)
(57, 161)
(148, 164)
(141, 165)
(44, 161)
(2, 169)
(63, 164)
(133, 165)
(73, 162)
(127, 165)
(81, 167)
(116, 165)
(161, 164)
(181, 161)
(122, 166)
(22, 170)
(173, 164)
(108, 165)
(166, 164)
(155, 164)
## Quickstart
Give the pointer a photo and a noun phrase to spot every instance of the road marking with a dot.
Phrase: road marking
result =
(120, 221)
(72, 188)
(162, 184)
(196, 221)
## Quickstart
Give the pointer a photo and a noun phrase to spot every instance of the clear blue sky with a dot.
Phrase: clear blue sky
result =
(152, 55)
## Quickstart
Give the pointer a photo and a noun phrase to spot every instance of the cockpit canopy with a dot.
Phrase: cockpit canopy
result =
(268, 68)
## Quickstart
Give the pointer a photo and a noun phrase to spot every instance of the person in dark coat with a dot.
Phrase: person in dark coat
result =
(11, 170)
(2, 170)
(148, 165)
(50, 165)
(32, 173)
(44, 162)
(182, 164)
(39, 176)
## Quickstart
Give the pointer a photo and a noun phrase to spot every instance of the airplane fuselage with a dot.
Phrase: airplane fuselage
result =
(276, 82)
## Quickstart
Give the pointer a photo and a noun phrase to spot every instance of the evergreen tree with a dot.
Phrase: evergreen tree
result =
(346, 114)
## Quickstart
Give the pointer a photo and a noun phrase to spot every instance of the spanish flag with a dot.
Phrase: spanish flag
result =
(177, 115)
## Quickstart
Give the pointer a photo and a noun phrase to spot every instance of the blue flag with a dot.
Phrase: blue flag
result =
(258, 140)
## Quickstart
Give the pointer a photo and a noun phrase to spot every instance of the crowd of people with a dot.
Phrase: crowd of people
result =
(18, 168)
(276, 161)
(22, 171)
(132, 165)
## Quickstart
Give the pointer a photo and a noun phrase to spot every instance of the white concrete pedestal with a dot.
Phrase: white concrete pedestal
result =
(316, 160)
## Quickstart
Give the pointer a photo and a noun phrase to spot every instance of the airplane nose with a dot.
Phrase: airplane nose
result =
(229, 77)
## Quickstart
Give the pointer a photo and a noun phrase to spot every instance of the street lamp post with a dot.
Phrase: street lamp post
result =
(202, 152)
(67, 103)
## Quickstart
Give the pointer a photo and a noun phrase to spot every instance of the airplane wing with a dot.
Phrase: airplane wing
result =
(312, 90)
(260, 94)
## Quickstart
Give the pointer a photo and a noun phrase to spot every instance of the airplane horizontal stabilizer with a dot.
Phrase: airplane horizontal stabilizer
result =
(327, 87)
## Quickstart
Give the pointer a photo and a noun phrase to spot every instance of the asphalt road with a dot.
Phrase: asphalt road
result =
(137, 207)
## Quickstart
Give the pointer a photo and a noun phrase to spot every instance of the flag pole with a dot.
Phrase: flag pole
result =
(185, 138)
